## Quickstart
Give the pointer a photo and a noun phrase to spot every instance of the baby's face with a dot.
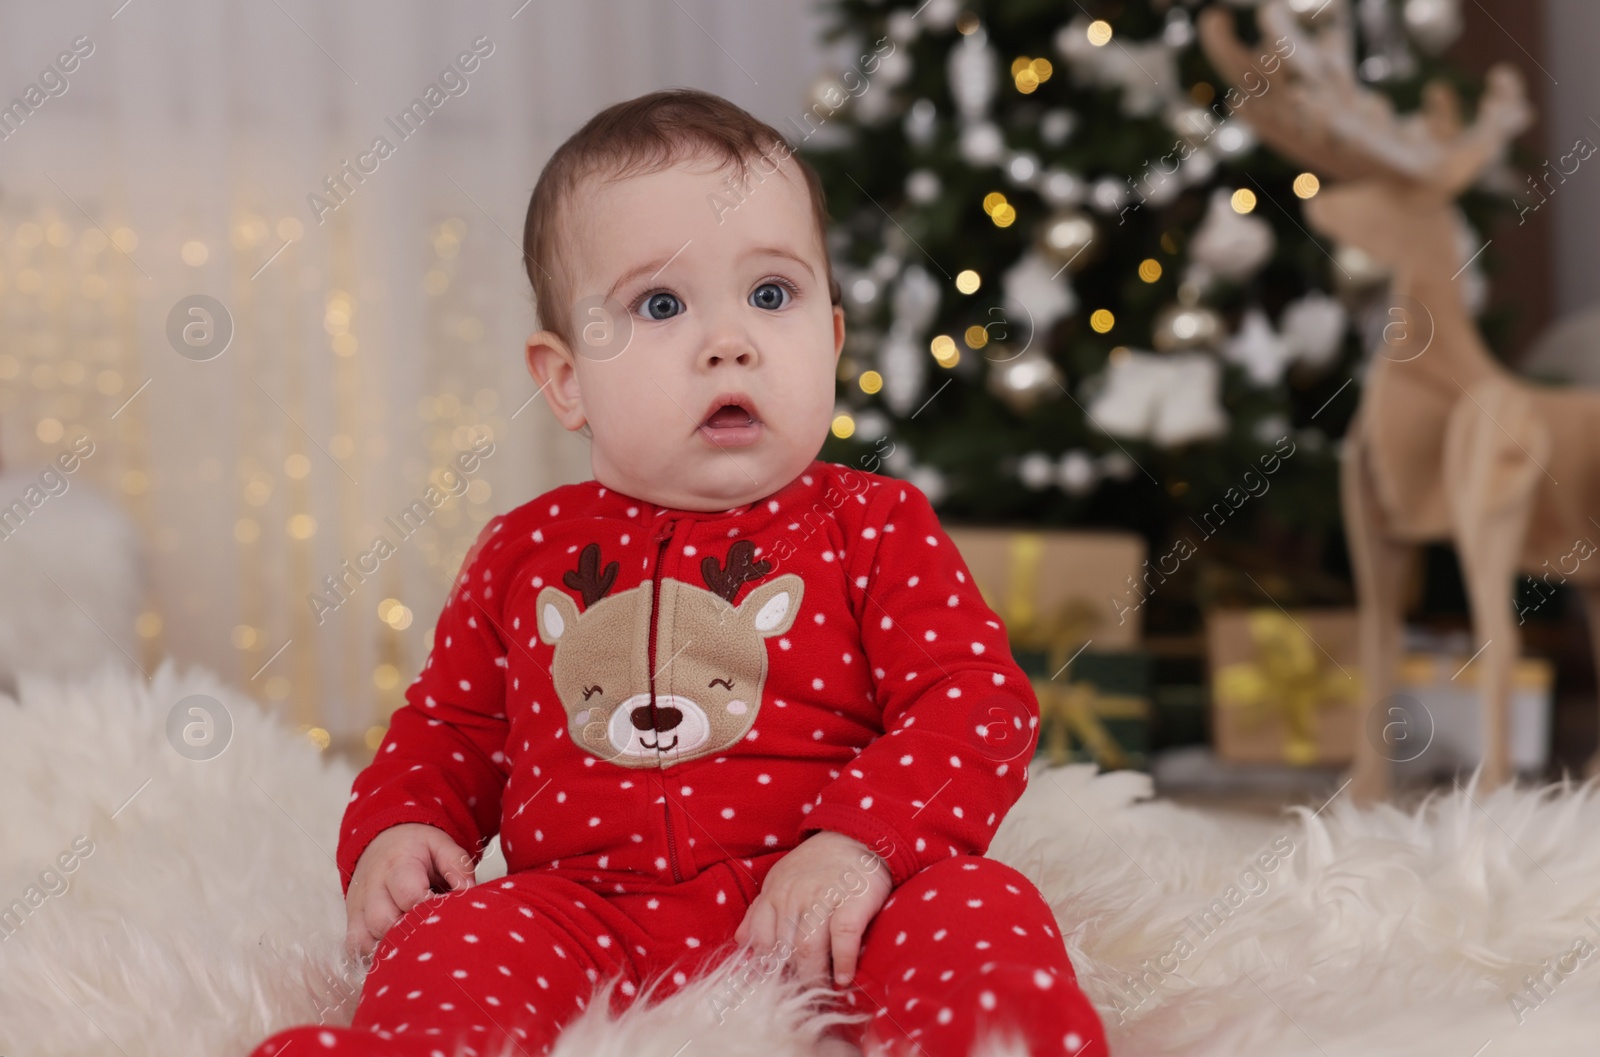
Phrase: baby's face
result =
(683, 297)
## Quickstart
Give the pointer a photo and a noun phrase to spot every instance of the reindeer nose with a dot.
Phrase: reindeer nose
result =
(667, 717)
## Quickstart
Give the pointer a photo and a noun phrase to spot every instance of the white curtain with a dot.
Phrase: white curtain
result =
(167, 149)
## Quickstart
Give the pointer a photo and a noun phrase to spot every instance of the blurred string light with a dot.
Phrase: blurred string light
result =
(843, 426)
(1244, 200)
(1102, 321)
(944, 350)
(395, 613)
(1029, 74)
(1306, 185)
(1149, 269)
(1099, 33)
(968, 282)
(1002, 212)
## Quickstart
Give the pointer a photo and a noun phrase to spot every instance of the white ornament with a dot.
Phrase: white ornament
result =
(1272, 428)
(921, 120)
(971, 73)
(903, 26)
(904, 366)
(1258, 349)
(916, 299)
(1147, 75)
(1077, 473)
(1198, 168)
(1036, 470)
(1179, 30)
(930, 482)
(898, 461)
(1117, 465)
(1192, 409)
(1042, 290)
(981, 143)
(871, 424)
(1170, 399)
(893, 69)
(1056, 125)
(1228, 244)
(1233, 138)
(939, 14)
(923, 186)
(1125, 402)
(875, 107)
(859, 287)
(1314, 328)
(1145, 71)
(1110, 194)
(1433, 24)
(1062, 188)
(1023, 168)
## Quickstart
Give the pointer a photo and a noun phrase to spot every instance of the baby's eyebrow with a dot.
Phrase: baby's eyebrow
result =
(658, 264)
(654, 267)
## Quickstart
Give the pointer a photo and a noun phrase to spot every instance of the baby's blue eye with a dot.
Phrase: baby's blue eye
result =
(770, 295)
(661, 305)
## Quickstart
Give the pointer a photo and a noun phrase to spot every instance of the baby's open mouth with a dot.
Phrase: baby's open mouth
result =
(730, 411)
(730, 415)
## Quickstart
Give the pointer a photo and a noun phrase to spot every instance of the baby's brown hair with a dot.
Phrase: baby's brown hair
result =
(643, 135)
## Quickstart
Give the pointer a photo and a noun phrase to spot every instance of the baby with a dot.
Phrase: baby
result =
(723, 699)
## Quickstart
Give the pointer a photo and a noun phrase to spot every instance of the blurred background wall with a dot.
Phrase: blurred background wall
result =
(375, 333)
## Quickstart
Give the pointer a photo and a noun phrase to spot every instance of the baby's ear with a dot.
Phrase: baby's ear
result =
(551, 365)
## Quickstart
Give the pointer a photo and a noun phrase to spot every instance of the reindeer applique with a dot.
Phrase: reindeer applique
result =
(708, 689)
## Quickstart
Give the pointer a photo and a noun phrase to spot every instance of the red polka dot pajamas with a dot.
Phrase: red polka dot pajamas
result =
(652, 706)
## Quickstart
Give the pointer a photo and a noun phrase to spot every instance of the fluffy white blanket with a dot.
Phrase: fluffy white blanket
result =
(202, 911)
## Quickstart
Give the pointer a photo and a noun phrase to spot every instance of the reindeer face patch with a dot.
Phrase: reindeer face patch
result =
(711, 657)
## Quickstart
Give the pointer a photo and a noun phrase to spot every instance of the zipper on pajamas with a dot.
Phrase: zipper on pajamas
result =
(662, 539)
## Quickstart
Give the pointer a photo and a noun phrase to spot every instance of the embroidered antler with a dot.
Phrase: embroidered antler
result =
(725, 581)
(587, 579)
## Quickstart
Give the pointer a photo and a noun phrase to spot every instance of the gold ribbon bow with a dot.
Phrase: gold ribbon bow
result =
(1076, 709)
(1287, 680)
(1064, 708)
(1059, 632)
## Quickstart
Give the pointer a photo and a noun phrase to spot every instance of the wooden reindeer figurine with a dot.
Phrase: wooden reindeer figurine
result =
(1447, 444)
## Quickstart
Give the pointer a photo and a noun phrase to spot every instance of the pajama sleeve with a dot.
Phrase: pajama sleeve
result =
(442, 761)
(960, 718)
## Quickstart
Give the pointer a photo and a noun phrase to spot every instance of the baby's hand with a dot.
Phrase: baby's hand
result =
(817, 900)
(397, 870)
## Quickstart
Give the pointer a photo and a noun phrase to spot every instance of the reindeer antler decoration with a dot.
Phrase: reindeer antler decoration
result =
(740, 568)
(587, 579)
(1315, 112)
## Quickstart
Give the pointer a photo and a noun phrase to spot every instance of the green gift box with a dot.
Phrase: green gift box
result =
(1096, 710)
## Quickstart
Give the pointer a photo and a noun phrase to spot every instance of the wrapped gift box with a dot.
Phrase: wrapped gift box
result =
(1059, 588)
(1097, 710)
(1444, 714)
(1071, 604)
(1285, 686)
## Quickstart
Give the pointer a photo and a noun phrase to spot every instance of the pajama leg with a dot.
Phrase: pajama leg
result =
(966, 947)
(493, 969)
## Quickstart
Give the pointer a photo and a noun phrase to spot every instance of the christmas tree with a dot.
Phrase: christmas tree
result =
(1077, 291)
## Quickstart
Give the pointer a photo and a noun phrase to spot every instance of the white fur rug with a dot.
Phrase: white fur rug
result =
(202, 910)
